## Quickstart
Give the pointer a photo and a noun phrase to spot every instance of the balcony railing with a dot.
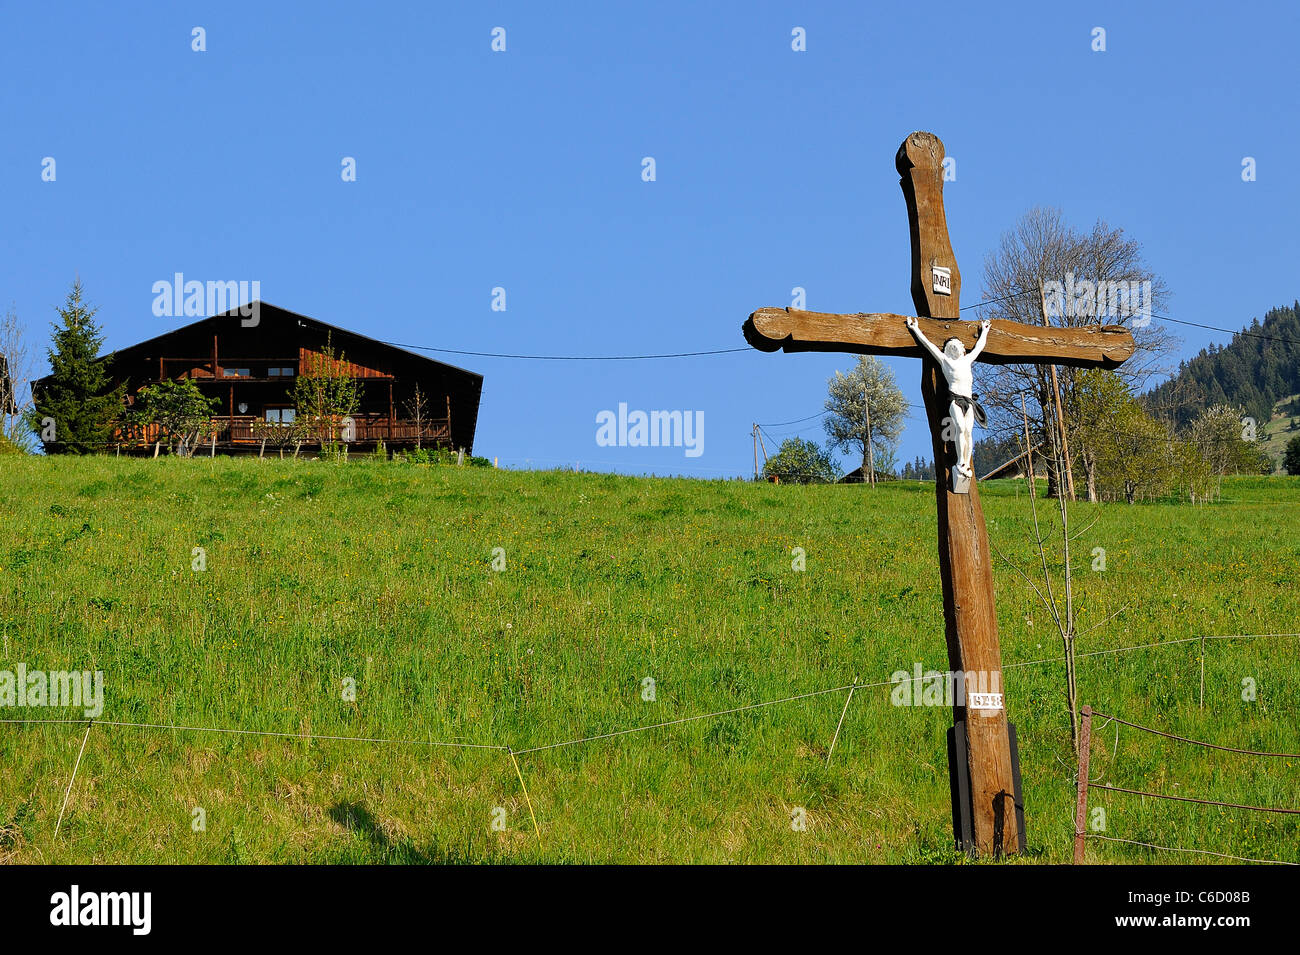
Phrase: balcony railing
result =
(240, 430)
(201, 370)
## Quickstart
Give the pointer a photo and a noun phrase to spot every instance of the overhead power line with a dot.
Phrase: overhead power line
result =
(822, 414)
(682, 354)
(992, 301)
(488, 354)
(1229, 331)
(782, 424)
(744, 348)
(1163, 318)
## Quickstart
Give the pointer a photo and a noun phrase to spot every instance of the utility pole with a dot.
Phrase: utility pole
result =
(759, 446)
(870, 476)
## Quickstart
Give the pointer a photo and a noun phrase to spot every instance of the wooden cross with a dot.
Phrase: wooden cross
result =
(965, 566)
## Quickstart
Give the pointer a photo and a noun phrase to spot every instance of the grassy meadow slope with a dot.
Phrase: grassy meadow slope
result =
(381, 573)
(1281, 428)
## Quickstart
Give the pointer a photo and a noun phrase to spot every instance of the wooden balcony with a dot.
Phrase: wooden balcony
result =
(208, 370)
(365, 430)
(237, 432)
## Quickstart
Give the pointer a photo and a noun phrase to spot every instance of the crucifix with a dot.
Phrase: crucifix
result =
(984, 780)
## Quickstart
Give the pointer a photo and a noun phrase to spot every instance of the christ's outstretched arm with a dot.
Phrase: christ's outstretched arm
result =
(983, 339)
(914, 327)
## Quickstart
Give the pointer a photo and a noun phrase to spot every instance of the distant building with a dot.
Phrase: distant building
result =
(1016, 467)
(250, 370)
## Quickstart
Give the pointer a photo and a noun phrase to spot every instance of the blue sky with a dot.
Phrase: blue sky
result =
(522, 170)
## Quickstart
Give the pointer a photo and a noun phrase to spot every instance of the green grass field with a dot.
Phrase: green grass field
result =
(1280, 429)
(319, 573)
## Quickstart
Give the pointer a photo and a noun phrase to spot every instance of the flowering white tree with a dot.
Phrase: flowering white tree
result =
(866, 415)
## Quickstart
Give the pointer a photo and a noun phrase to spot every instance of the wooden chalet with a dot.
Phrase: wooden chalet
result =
(250, 370)
(1017, 466)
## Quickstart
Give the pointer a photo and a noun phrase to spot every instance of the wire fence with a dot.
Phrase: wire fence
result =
(1084, 785)
(513, 754)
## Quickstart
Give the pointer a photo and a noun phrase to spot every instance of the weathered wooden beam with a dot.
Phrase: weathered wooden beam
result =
(882, 333)
(965, 560)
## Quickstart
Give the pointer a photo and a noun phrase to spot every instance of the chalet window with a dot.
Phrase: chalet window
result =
(236, 373)
(280, 415)
(279, 372)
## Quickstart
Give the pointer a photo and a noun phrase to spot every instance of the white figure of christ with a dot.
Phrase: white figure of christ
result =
(956, 362)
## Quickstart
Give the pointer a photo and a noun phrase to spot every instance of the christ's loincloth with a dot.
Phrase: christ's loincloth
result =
(965, 404)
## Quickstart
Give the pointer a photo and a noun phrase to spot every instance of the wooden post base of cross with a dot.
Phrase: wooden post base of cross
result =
(965, 562)
(971, 634)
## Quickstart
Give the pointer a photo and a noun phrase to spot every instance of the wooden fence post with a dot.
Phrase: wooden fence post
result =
(1081, 806)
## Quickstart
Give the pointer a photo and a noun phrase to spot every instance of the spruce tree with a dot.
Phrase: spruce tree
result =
(1292, 460)
(76, 408)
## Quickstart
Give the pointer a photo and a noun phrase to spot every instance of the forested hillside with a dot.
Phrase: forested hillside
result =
(1259, 368)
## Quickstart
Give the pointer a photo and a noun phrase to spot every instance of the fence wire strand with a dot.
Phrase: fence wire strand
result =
(700, 716)
(838, 726)
(527, 798)
(1203, 802)
(1204, 852)
(1194, 742)
(272, 733)
(851, 688)
(72, 779)
(1148, 646)
(1087, 785)
(687, 719)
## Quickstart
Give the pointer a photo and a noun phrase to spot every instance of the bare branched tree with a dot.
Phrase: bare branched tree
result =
(1042, 249)
(417, 411)
(16, 371)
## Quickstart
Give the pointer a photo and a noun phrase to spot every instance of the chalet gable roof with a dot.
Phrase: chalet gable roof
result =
(274, 314)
